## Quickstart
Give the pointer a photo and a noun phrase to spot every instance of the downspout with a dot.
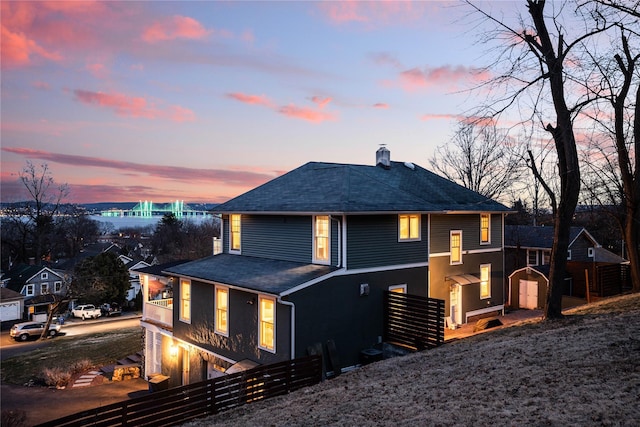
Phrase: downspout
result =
(293, 325)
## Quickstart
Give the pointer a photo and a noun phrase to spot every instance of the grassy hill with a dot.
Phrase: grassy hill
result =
(583, 370)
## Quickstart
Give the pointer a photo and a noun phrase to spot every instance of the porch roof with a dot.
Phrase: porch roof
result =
(464, 279)
(253, 273)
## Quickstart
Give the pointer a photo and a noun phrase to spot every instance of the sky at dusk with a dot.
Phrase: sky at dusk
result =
(202, 101)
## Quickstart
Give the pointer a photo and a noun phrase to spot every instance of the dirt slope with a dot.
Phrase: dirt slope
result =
(580, 371)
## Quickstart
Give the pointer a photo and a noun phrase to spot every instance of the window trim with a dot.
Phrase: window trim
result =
(568, 254)
(217, 311)
(546, 255)
(529, 264)
(260, 323)
(237, 233)
(488, 284)
(181, 315)
(57, 286)
(590, 252)
(44, 288)
(488, 241)
(402, 289)
(30, 290)
(419, 226)
(451, 234)
(315, 237)
(44, 276)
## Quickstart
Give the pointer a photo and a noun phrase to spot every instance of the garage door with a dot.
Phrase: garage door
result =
(528, 294)
(10, 311)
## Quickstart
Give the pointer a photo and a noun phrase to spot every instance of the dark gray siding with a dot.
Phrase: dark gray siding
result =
(278, 237)
(334, 310)
(242, 342)
(580, 249)
(441, 226)
(372, 241)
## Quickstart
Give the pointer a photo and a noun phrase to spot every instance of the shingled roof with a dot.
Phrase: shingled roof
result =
(259, 274)
(529, 236)
(346, 188)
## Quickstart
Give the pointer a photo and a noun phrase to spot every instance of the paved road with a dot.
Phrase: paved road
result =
(74, 327)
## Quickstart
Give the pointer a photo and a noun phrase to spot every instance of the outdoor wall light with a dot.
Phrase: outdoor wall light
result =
(173, 350)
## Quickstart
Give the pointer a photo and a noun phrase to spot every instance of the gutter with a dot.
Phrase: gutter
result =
(293, 325)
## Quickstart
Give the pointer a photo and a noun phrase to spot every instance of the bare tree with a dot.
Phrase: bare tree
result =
(480, 157)
(538, 58)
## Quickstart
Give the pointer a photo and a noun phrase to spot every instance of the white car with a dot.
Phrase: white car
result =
(86, 311)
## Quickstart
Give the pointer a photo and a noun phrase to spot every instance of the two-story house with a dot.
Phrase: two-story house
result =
(306, 259)
(37, 284)
(527, 259)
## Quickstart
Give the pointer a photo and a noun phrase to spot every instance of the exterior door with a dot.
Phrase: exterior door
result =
(528, 294)
(455, 302)
(185, 365)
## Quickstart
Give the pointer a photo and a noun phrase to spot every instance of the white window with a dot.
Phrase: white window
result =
(546, 257)
(44, 288)
(485, 229)
(401, 289)
(235, 232)
(185, 300)
(590, 252)
(267, 319)
(532, 257)
(408, 227)
(29, 291)
(569, 254)
(456, 247)
(44, 276)
(57, 286)
(222, 310)
(485, 281)
(321, 239)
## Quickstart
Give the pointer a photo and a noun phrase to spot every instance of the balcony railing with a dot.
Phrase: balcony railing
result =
(160, 310)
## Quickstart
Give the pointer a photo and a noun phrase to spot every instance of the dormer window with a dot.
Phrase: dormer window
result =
(321, 239)
(408, 227)
(234, 233)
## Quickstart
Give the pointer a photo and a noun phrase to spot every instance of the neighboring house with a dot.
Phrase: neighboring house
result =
(37, 284)
(11, 305)
(134, 277)
(306, 259)
(527, 259)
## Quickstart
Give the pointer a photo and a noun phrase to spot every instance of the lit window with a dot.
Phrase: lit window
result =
(485, 281)
(57, 286)
(532, 257)
(235, 232)
(409, 227)
(484, 228)
(44, 288)
(267, 317)
(321, 239)
(29, 291)
(456, 247)
(401, 289)
(185, 300)
(222, 311)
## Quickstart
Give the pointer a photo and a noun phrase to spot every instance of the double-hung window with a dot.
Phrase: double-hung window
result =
(485, 281)
(321, 239)
(456, 247)
(44, 288)
(267, 323)
(185, 300)
(57, 287)
(532, 257)
(44, 276)
(222, 310)
(29, 291)
(234, 233)
(408, 227)
(485, 229)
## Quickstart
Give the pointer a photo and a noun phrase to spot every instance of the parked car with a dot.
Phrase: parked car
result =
(112, 309)
(26, 330)
(86, 311)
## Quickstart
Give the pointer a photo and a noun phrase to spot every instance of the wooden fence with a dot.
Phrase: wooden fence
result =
(413, 321)
(180, 404)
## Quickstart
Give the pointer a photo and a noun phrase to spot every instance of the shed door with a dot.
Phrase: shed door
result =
(528, 294)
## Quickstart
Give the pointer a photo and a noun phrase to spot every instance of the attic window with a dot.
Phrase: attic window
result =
(44, 276)
(590, 252)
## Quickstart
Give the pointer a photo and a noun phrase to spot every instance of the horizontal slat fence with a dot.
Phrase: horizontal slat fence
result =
(179, 404)
(413, 321)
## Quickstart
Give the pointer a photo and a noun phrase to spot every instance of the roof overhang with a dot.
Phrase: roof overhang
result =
(464, 279)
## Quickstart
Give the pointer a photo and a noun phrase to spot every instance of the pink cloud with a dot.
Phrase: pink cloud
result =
(132, 106)
(98, 70)
(381, 105)
(176, 27)
(415, 78)
(372, 13)
(343, 11)
(217, 176)
(251, 99)
(306, 114)
(19, 50)
(320, 102)
(41, 85)
(426, 117)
